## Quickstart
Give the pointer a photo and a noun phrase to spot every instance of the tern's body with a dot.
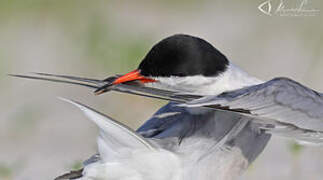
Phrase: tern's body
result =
(193, 143)
(213, 145)
(190, 141)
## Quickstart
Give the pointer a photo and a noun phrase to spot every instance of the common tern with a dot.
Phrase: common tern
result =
(218, 121)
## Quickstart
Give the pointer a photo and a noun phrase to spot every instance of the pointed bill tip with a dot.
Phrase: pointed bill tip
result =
(99, 91)
(103, 89)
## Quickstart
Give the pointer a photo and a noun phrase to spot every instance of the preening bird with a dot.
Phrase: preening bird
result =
(218, 121)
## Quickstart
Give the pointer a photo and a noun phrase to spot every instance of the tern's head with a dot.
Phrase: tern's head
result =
(184, 63)
(183, 56)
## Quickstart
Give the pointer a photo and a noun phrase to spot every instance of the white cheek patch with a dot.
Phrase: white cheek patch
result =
(233, 78)
(190, 84)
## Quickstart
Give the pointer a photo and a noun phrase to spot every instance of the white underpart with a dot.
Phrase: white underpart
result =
(233, 78)
(137, 165)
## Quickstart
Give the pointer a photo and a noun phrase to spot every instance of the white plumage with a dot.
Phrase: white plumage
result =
(126, 155)
(191, 147)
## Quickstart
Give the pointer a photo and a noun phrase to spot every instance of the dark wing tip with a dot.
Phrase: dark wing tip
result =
(77, 82)
(71, 175)
(14, 75)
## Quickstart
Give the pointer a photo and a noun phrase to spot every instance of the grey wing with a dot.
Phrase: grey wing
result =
(163, 119)
(172, 124)
(173, 127)
(172, 121)
(280, 101)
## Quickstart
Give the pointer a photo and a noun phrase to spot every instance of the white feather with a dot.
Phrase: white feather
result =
(114, 136)
(233, 78)
(126, 155)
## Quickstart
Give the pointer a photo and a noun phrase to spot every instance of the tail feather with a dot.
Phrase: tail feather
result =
(114, 136)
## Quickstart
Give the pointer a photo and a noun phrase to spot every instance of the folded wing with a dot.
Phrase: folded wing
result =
(281, 101)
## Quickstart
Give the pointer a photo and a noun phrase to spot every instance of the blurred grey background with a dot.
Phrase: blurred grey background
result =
(42, 137)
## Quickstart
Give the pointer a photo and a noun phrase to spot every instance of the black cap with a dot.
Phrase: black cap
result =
(183, 55)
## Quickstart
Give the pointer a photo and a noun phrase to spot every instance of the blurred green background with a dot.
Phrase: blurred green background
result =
(42, 137)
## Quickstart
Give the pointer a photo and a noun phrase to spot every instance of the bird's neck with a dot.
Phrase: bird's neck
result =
(233, 78)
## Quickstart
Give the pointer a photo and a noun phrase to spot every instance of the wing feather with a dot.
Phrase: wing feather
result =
(114, 136)
(280, 99)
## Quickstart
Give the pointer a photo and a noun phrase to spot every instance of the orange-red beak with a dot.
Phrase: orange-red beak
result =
(131, 76)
